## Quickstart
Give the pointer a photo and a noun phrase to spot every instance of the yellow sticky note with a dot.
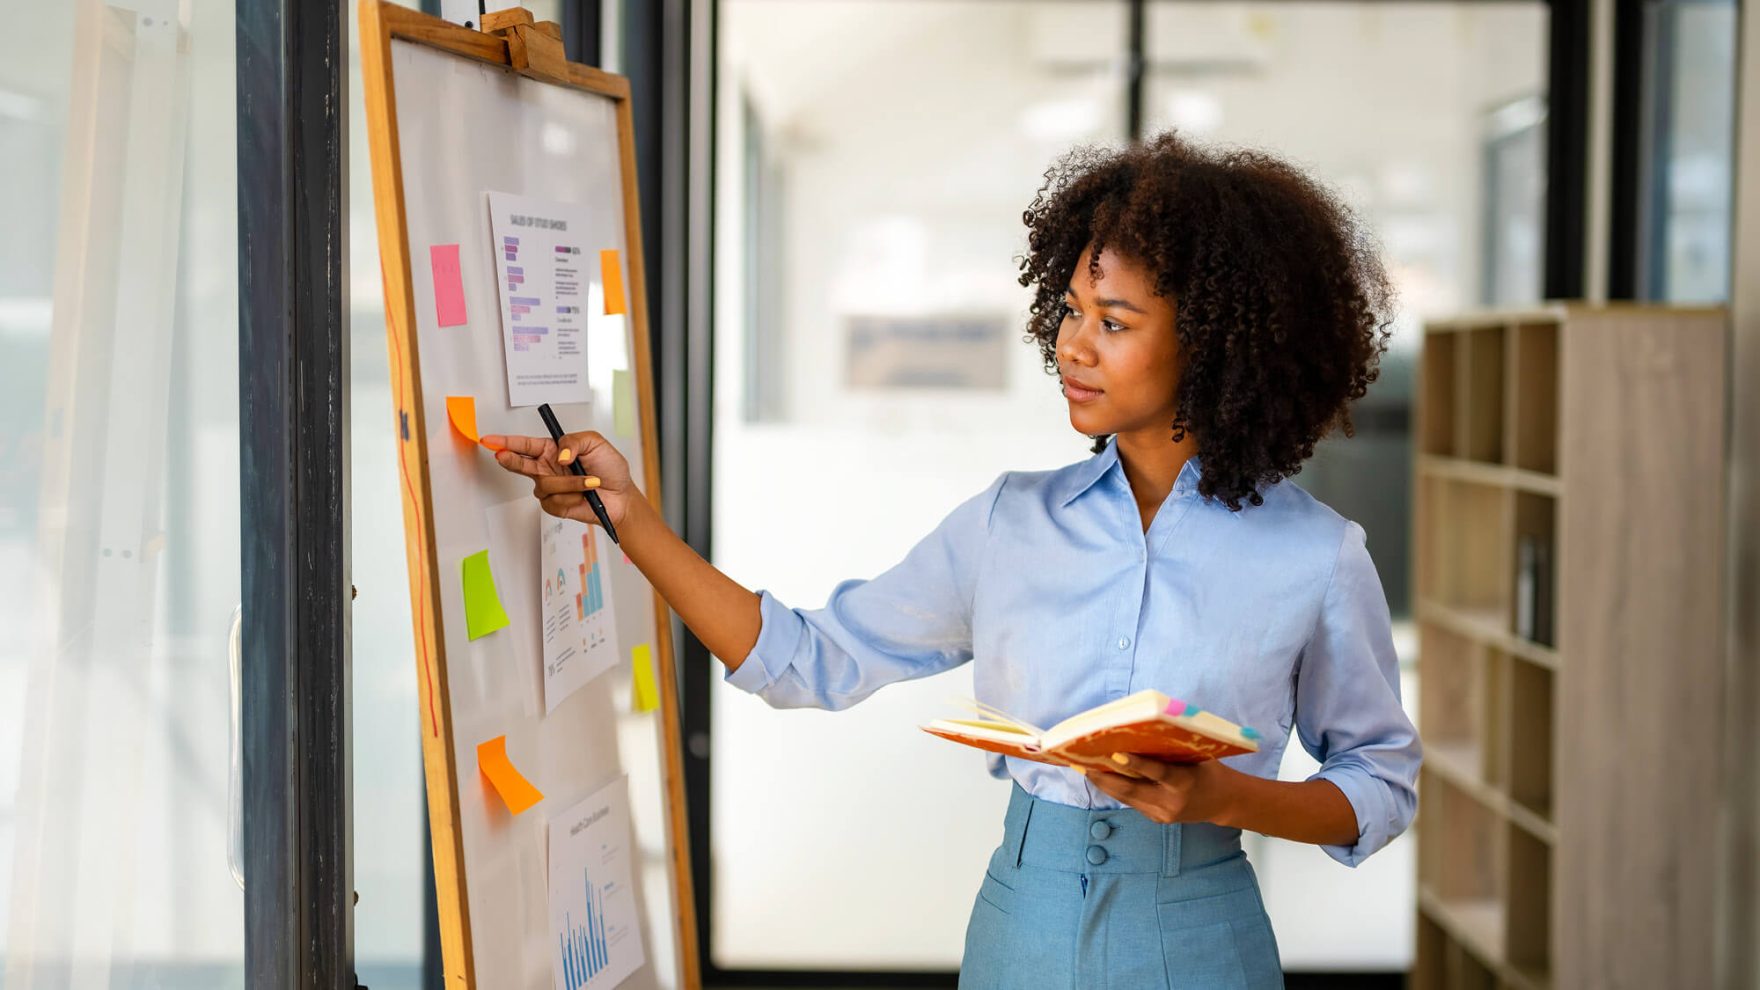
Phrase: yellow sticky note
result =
(462, 411)
(623, 403)
(515, 790)
(483, 613)
(644, 690)
(611, 272)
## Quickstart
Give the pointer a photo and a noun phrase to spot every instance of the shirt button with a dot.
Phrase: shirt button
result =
(1100, 830)
(1096, 855)
(1124, 642)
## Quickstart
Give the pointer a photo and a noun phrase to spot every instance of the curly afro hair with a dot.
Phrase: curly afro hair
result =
(1281, 303)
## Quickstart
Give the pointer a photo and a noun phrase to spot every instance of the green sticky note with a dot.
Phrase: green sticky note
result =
(645, 692)
(623, 403)
(482, 606)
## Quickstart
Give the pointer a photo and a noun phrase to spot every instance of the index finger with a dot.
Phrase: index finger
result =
(524, 446)
(512, 456)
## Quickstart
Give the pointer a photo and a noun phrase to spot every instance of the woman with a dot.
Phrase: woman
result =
(1210, 315)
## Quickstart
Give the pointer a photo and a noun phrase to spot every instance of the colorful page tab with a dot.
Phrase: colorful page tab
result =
(515, 790)
(482, 606)
(644, 688)
(611, 273)
(448, 284)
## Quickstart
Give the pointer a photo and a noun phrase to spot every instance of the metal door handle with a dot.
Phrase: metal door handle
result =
(235, 777)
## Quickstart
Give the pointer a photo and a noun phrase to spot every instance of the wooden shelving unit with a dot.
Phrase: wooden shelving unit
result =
(1569, 541)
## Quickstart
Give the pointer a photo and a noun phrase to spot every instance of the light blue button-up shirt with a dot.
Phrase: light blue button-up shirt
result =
(1272, 617)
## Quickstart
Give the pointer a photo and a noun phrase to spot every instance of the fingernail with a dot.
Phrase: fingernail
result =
(1120, 759)
(1081, 770)
(564, 456)
(589, 482)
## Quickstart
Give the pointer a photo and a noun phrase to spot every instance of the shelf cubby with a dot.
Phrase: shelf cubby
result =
(1436, 392)
(1479, 394)
(1534, 397)
(1532, 722)
(1494, 720)
(1464, 865)
(1528, 916)
(1464, 544)
(1533, 602)
(1446, 692)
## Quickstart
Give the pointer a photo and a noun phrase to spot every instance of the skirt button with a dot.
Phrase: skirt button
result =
(1096, 855)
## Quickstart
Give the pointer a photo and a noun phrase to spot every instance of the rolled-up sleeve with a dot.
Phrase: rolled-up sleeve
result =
(913, 620)
(1348, 712)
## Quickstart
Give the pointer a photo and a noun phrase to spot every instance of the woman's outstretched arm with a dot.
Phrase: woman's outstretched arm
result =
(717, 609)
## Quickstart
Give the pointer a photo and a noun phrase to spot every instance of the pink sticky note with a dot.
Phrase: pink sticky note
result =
(448, 284)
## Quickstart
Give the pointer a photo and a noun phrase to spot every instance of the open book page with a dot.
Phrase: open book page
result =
(993, 730)
(1144, 706)
(1147, 723)
(992, 713)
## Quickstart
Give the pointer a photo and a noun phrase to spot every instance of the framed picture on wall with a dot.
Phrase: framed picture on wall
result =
(938, 351)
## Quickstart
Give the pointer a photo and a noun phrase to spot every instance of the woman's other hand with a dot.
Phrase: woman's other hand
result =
(1167, 792)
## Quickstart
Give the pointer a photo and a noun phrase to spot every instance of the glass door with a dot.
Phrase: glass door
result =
(119, 497)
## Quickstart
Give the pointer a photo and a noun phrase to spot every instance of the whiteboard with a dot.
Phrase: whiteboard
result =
(467, 124)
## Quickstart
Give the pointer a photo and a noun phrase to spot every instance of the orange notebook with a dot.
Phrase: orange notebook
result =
(1147, 723)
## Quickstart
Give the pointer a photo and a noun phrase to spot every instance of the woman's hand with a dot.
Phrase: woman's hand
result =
(560, 492)
(1168, 792)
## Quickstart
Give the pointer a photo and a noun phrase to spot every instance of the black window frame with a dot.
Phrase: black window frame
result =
(293, 481)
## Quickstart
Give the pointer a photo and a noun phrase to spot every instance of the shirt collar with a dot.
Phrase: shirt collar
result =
(1084, 475)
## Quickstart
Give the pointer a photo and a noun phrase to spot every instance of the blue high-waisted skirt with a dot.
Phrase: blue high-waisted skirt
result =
(1082, 900)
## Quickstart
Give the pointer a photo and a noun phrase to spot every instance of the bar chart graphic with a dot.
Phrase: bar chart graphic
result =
(593, 914)
(584, 948)
(595, 621)
(592, 596)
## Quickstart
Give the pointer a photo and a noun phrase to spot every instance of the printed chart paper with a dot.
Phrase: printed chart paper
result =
(543, 285)
(577, 622)
(593, 916)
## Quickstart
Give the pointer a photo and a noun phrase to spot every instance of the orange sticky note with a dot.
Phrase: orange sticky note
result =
(644, 689)
(611, 272)
(514, 788)
(462, 410)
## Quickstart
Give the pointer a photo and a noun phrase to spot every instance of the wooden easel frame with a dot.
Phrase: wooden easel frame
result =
(534, 50)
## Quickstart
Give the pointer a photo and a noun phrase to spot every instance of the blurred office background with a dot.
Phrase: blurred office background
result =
(832, 193)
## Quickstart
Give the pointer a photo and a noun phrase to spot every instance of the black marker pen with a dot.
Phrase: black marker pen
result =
(593, 498)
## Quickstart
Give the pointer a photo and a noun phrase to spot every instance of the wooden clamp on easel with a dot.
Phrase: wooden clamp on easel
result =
(534, 48)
